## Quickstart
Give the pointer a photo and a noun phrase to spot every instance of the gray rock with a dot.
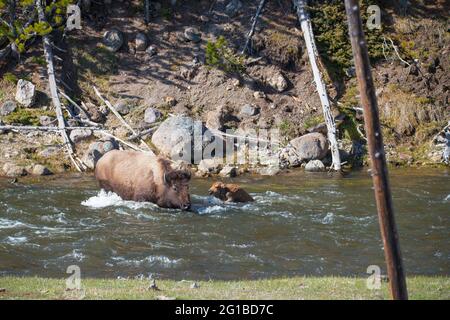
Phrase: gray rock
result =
(228, 171)
(40, 170)
(315, 166)
(2, 124)
(180, 137)
(78, 135)
(259, 95)
(113, 39)
(233, 7)
(249, 110)
(311, 146)
(151, 50)
(141, 42)
(278, 82)
(151, 115)
(215, 119)
(97, 149)
(25, 93)
(47, 121)
(192, 34)
(7, 107)
(210, 166)
(12, 170)
(122, 107)
(268, 171)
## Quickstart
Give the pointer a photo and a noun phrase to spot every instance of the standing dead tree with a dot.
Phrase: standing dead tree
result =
(252, 29)
(48, 53)
(320, 85)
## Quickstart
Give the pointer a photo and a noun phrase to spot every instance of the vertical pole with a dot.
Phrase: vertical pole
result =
(376, 150)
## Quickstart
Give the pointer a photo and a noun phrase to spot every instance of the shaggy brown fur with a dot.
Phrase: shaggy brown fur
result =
(229, 192)
(139, 176)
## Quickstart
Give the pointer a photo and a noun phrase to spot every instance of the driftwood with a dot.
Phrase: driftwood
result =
(48, 53)
(44, 128)
(320, 85)
(143, 133)
(86, 118)
(117, 114)
(50, 129)
(252, 29)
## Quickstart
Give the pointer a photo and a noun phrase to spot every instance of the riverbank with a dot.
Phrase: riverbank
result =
(343, 288)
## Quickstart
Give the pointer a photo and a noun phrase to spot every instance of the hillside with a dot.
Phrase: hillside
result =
(175, 72)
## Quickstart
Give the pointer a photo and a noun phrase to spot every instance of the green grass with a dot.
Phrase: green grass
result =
(419, 287)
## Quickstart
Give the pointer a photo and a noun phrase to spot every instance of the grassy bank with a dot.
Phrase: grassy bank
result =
(420, 287)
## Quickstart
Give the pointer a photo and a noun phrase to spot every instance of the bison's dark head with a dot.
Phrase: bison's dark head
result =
(177, 193)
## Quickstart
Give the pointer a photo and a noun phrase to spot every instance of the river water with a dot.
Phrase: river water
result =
(300, 224)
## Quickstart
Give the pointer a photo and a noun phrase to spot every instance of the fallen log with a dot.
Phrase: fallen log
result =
(48, 53)
(46, 128)
(121, 119)
(86, 119)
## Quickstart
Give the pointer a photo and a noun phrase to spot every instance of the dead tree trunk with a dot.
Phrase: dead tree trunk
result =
(320, 85)
(252, 29)
(48, 53)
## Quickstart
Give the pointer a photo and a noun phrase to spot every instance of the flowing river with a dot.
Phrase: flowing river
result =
(300, 224)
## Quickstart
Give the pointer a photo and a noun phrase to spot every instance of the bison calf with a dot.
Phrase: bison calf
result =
(140, 176)
(229, 192)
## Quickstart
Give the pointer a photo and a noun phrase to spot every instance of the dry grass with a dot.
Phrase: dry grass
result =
(289, 288)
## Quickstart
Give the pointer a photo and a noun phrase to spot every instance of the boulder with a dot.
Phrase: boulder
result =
(113, 39)
(268, 171)
(278, 82)
(249, 110)
(2, 124)
(141, 42)
(311, 146)
(151, 115)
(78, 135)
(210, 166)
(7, 107)
(40, 170)
(25, 93)
(192, 34)
(315, 166)
(228, 171)
(215, 119)
(180, 137)
(122, 107)
(12, 170)
(97, 149)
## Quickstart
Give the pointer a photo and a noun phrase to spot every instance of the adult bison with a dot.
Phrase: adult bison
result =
(139, 176)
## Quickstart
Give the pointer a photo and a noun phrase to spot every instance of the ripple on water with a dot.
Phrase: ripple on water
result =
(149, 261)
(15, 240)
